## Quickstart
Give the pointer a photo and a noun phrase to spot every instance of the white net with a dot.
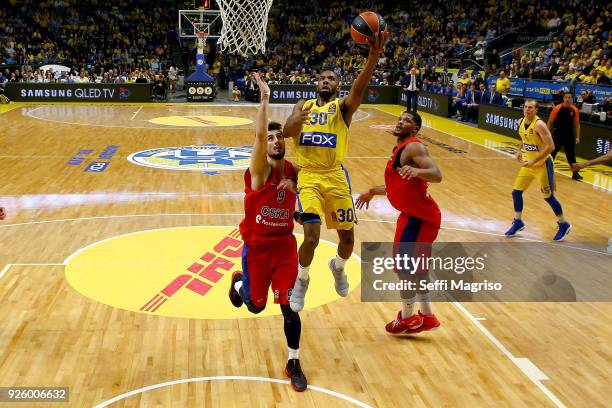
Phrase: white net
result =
(201, 32)
(244, 26)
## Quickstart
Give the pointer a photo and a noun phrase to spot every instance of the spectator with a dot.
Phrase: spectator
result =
(602, 79)
(236, 94)
(459, 99)
(172, 77)
(492, 97)
(435, 87)
(411, 84)
(470, 108)
(590, 98)
(465, 80)
(493, 61)
(251, 91)
(503, 83)
(479, 80)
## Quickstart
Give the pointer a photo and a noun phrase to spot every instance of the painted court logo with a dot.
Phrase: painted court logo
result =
(180, 272)
(209, 158)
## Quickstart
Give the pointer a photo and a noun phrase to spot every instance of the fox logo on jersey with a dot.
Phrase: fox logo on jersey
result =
(531, 147)
(318, 139)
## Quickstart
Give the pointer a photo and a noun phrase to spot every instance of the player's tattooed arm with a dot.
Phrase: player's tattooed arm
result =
(300, 115)
(416, 162)
(365, 197)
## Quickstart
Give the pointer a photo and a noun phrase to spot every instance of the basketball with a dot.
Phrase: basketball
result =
(365, 25)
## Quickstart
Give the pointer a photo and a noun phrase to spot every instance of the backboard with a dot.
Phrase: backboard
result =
(192, 21)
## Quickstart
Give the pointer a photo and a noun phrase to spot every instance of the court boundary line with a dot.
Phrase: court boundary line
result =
(231, 378)
(137, 112)
(523, 363)
(105, 217)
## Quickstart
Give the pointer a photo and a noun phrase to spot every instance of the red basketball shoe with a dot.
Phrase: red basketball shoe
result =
(400, 326)
(430, 322)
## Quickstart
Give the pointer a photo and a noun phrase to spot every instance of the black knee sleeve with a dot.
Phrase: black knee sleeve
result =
(292, 326)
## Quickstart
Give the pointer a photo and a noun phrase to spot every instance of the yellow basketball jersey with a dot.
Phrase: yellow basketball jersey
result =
(532, 143)
(323, 141)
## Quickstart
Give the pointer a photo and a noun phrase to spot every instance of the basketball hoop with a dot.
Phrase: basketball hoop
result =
(244, 26)
(201, 31)
(201, 38)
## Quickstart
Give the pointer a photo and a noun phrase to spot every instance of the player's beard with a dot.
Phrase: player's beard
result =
(326, 95)
(278, 156)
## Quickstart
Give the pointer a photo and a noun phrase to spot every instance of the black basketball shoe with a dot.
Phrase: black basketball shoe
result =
(294, 372)
(233, 293)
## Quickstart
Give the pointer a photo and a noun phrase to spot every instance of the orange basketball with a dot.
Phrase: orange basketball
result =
(365, 25)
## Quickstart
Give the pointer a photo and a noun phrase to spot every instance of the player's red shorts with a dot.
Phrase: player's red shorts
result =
(269, 261)
(413, 229)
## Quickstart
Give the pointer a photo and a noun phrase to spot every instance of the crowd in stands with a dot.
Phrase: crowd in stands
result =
(85, 31)
(579, 50)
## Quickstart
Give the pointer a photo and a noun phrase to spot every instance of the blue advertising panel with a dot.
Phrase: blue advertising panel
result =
(543, 90)
(600, 92)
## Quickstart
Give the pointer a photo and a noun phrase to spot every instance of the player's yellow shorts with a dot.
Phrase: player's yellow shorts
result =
(328, 195)
(544, 174)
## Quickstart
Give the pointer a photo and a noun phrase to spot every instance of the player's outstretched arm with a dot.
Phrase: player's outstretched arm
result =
(293, 126)
(605, 159)
(427, 168)
(351, 102)
(259, 167)
(365, 197)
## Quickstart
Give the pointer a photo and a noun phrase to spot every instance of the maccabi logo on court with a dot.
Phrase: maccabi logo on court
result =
(209, 158)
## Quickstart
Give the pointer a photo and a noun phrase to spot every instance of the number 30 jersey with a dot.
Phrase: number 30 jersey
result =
(323, 141)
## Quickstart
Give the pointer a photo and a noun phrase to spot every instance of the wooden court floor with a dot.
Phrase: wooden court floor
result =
(484, 354)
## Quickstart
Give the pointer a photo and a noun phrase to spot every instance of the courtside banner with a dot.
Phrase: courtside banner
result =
(485, 272)
(543, 90)
(595, 139)
(35, 92)
(600, 92)
(499, 119)
(428, 102)
(293, 93)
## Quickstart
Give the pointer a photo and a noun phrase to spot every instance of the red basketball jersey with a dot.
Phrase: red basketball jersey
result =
(268, 211)
(409, 196)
